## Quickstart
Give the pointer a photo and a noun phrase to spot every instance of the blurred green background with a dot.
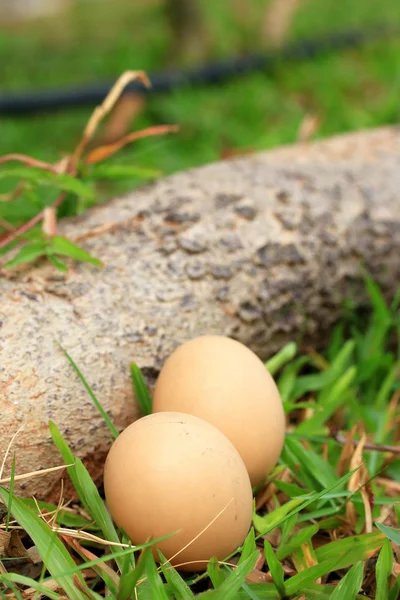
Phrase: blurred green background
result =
(94, 41)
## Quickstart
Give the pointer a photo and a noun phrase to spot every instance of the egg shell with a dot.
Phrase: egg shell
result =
(223, 382)
(170, 472)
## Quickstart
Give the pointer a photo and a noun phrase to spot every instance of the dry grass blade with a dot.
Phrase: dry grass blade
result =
(5, 537)
(86, 554)
(34, 474)
(103, 152)
(356, 480)
(107, 105)
(202, 531)
(7, 452)
(29, 161)
(79, 534)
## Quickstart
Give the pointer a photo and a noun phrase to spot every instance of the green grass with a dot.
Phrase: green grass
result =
(349, 90)
(313, 531)
(315, 521)
(346, 90)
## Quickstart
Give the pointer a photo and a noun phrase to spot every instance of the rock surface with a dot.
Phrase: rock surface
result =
(263, 249)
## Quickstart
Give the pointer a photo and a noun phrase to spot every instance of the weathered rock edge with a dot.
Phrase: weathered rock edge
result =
(263, 248)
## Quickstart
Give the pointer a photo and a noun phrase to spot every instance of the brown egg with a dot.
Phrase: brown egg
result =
(172, 472)
(223, 382)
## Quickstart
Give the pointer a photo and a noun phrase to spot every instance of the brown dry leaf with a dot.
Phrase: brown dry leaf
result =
(256, 576)
(16, 549)
(105, 108)
(49, 225)
(228, 152)
(103, 152)
(309, 126)
(356, 480)
(86, 554)
(120, 121)
(278, 18)
(260, 562)
(29, 161)
(5, 537)
(270, 489)
(391, 487)
(34, 555)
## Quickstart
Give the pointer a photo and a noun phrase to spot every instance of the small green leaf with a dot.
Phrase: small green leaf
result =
(43, 177)
(299, 538)
(348, 551)
(390, 532)
(312, 383)
(57, 262)
(129, 578)
(30, 583)
(60, 245)
(121, 171)
(351, 583)
(215, 573)
(142, 394)
(177, 584)
(232, 584)
(270, 521)
(275, 568)
(154, 579)
(302, 580)
(325, 408)
(285, 355)
(27, 254)
(394, 593)
(249, 546)
(384, 568)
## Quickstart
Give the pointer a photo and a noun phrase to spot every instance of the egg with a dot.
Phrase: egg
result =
(175, 473)
(223, 382)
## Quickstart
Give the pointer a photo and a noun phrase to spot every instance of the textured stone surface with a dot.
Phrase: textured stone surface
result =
(263, 248)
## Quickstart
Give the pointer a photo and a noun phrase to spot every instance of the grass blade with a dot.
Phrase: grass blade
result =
(97, 404)
(54, 554)
(215, 573)
(30, 583)
(390, 532)
(85, 488)
(350, 585)
(384, 567)
(285, 355)
(177, 584)
(232, 584)
(141, 391)
(129, 579)
(275, 569)
(266, 524)
(299, 538)
(155, 582)
(348, 551)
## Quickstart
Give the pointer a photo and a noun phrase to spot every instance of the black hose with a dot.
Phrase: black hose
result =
(23, 103)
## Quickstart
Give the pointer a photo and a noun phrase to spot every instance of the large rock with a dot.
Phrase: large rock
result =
(263, 249)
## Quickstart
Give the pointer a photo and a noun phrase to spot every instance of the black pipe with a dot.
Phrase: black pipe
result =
(23, 103)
